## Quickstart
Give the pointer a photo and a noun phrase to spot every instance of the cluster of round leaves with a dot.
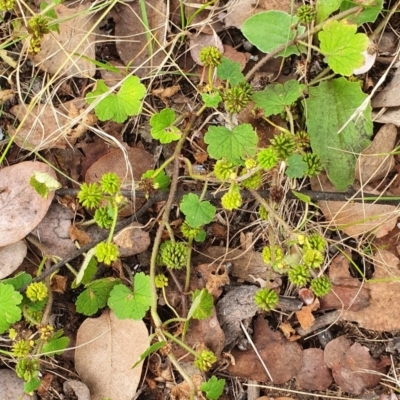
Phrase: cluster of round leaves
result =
(205, 360)
(300, 273)
(27, 368)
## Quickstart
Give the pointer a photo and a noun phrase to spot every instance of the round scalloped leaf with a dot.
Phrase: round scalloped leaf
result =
(343, 47)
(234, 146)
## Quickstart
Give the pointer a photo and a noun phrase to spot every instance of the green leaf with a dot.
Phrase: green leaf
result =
(229, 71)
(296, 166)
(213, 388)
(274, 98)
(95, 296)
(369, 14)
(211, 99)
(233, 145)
(270, 29)
(160, 182)
(201, 236)
(162, 127)
(325, 8)
(343, 47)
(302, 197)
(9, 310)
(18, 281)
(55, 345)
(338, 152)
(126, 304)
(202, 304)
(43, 183)
(87, 270)
(32, 385)
(197, 212)
(150, 350)
(118, 107)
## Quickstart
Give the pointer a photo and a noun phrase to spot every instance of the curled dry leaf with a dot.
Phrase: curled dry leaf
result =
(282, 358)
(46, 127)
(353, 368)
(314, 374)
(107, 348)
(71, 51)
(21, 207)
(11, 257)
(382, 314)
(214, 277)
(375, 162)
(355, 219)
(129, 169)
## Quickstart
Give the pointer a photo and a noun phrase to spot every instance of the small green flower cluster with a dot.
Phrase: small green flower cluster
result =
(38, 26)
(27, 368)
(266, 299)
(205, 360)
(37, 291)
(173, 255)
(306, 14)
(236, 98)
(93, 195)
(285, 145)
(299, 268)
(210, 56)
(7, 5)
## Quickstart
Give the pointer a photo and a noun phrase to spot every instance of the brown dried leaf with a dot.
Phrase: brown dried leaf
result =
(53, 231)
(246, 266)
(132, 43)
(375, 162)
(107, 347)
(11, 386)
(215, 277)
(11, 257)
(355, 219)
(314, 374)
(80, 236)
(275, 351)
(382, 314)
(64, 51)
(390, 95)
(349, 364)
(305, 315)
(239, 11)
(132, 240)
(21, 207)
(201, 334)
(347, 292)
(46, 127)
